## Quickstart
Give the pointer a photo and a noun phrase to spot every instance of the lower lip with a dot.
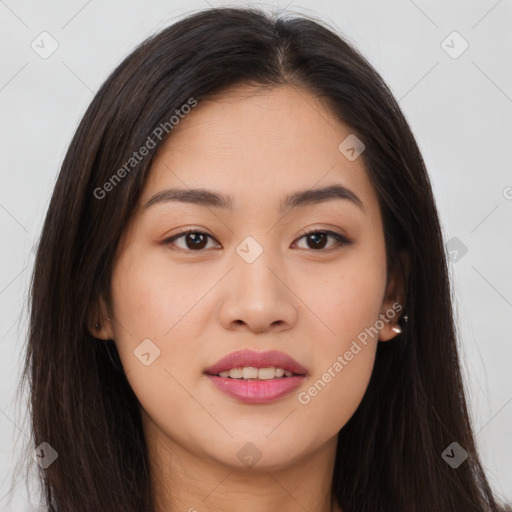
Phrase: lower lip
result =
(256, 392)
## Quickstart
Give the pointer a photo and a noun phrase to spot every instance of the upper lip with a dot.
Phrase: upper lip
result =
(242, 358)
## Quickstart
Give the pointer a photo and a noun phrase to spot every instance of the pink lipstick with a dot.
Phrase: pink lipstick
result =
(256, 377)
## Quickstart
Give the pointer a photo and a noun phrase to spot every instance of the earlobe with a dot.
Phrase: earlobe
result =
(394, 302)
(100, 324)
(102, 330)
(390, 328)
(395, 325)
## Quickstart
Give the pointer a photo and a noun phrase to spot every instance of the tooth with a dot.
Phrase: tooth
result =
(235, 373)
(266, 373)
(249, 372)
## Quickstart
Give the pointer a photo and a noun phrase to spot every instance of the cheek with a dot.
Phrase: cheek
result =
(334, 394)
(157, 324)
(151, 297)
(344, 298)
(348, 302)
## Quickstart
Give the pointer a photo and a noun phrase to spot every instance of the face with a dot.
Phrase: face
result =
(249, 277)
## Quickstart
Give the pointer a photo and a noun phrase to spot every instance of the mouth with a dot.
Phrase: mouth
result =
(256, 377)
(249, 364)
(251, 373)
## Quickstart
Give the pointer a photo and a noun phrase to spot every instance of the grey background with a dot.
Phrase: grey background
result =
(460, 110)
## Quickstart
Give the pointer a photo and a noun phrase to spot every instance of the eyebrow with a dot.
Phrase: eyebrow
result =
(209, 198)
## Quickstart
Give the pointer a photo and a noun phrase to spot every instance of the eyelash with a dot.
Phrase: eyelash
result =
(340, 239)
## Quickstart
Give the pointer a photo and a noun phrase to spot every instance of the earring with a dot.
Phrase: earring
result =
(398, 329)
(97, 326)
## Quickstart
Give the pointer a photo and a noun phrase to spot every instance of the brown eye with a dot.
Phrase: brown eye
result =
(193, 240)
(196, 241)
(317, 240)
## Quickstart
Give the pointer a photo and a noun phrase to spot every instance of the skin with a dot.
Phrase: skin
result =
(200, 305)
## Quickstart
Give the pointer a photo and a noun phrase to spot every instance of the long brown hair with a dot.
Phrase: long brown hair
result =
(389, 454)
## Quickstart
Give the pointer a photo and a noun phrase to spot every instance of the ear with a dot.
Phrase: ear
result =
(394, 299)
(99, 321)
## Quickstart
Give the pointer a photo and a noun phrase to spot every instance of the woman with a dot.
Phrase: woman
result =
(240, 298)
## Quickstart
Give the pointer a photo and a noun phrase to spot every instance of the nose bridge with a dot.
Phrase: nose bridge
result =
(254, 264)
(256, 295)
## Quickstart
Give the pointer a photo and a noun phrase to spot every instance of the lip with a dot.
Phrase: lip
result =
(256, 392)
(267, 359)
(251, 391)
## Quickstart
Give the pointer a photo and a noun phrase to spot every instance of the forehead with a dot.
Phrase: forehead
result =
(258, 145)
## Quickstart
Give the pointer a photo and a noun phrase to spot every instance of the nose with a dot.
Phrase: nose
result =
(258, 297)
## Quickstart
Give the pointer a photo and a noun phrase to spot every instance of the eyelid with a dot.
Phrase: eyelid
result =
(309, 231)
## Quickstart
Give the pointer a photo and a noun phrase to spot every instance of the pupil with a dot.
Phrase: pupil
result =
(195, 237)
(314, 237)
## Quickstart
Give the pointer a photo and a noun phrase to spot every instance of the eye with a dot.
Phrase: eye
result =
(318, 239)
(194, 240)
